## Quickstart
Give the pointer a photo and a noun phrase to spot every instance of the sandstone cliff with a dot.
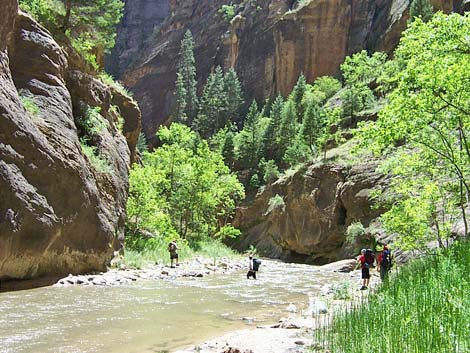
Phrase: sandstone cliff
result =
(269, 42)
(59, 213)
(318, 203)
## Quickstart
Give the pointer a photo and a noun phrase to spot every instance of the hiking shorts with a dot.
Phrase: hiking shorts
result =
(365, 273)
(173, 255)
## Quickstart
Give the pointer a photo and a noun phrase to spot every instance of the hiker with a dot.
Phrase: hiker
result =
(173, 250)
(384, 261)
(366, 260)
(253, 267)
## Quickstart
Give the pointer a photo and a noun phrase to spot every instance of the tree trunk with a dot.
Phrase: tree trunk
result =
(68, 12)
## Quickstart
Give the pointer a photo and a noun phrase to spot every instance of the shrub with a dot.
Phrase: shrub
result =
(98, 162)
(30, 105)
(228, 12)
(274, 203)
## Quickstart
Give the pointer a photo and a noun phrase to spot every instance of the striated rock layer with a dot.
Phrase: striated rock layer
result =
(58, 213)
(318, 203)
(269, 42)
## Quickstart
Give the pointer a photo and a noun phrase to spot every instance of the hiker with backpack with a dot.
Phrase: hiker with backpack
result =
(384, 261)
(366, 260)
(253, 267)
(173, 250)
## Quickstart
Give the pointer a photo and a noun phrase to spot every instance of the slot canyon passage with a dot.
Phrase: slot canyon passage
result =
(150, 148)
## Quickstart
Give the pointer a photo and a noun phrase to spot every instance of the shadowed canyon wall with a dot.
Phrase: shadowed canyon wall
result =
(59, 214)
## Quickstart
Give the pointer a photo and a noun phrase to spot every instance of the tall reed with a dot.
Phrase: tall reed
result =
(424, 308)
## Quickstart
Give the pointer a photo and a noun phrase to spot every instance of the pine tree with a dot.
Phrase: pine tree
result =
(180, 93)
(187, 71)
(249, 141)
(311, 125)
(289, 126)
(233, 91)
(422, 9)
(298, 94)
(228, 148)
(270, 140)
(212, 114)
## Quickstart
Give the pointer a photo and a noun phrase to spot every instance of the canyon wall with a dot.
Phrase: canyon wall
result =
(268, 42)
(59, 212)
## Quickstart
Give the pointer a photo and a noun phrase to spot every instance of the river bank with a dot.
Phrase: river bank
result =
(196, 268)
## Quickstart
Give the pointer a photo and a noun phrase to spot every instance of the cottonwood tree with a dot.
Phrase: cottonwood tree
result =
(429, 110)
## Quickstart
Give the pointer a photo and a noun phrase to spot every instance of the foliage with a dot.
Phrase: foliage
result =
(233, 91)
(421, 9)
(183, 187)
(142, 144)
(228, 12)
(270, 170)
(249, 139)
(354, 232)
(328, 85)
(274, 203)
(341, 291)
(98, 161)
(30, 105)
(213, 105)
(360, 68)
(186, 88)
(424, 308)
(90, 24)
(90, 123)
(429, 110)
(227, 231)
(117, 85)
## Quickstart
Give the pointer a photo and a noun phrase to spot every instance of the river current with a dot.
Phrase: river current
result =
(153, 315)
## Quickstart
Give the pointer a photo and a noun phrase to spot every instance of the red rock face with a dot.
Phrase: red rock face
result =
(58, 213)
(268, 44)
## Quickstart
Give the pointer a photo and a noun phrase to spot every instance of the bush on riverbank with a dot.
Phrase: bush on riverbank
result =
(424, 308)
(158, 254)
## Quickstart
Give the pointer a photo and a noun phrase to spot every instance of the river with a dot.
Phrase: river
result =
(153, 316)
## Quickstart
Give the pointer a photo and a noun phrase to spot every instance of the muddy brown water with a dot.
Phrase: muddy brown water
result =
(153, 316)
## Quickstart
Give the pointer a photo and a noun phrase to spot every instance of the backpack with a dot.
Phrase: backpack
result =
(386, 261)
(370, 258)
(256, 263)
(171, 247)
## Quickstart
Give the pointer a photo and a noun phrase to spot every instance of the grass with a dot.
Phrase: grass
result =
(424, 308)
(98, 162)
(30, 105)
(118, 86)
(210, 249)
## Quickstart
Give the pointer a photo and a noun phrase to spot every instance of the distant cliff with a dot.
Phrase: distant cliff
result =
(60, 213)
(269, 42)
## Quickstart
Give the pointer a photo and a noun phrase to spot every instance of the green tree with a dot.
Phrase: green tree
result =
(271, 136)
(289, 126)
(180, 93)
(328, 85)
(249, 139)
(213, 105)
(187, 72)
(298, 94)
(182, 181)
(421, 9)
(90, 24)
(311, 125)
(233, 93)
(430, 110)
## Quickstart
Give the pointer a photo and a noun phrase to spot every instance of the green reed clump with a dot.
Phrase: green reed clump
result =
(424, 308)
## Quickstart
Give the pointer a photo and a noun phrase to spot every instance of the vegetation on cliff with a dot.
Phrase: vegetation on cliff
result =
(89, 24)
